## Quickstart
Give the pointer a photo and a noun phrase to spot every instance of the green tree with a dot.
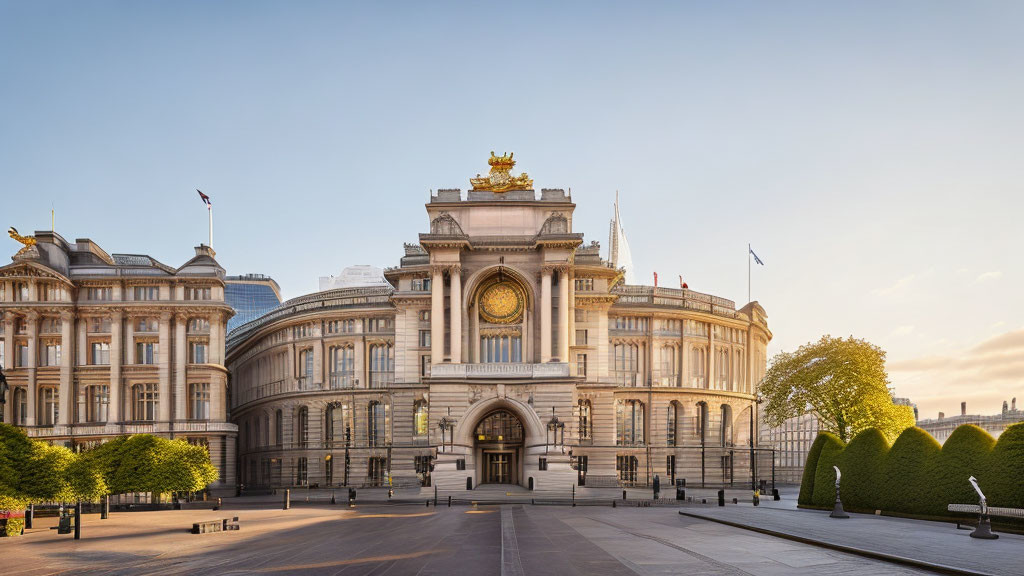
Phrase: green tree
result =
(842, 381)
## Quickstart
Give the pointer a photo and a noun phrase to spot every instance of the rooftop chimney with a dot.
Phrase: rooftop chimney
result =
(1013, 403)
(1005, 407)
(963, 408)
(942, 415)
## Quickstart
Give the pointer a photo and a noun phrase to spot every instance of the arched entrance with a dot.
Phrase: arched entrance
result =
(498, 447)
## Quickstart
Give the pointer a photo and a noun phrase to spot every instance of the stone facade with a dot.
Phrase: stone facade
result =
(940, 428)
(97, 345)
(505, 350)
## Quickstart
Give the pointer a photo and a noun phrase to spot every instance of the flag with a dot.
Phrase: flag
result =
(655, 279)
(756, 259)
(206, 199)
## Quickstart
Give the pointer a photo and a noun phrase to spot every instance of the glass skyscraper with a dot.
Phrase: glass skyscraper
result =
(251, 296)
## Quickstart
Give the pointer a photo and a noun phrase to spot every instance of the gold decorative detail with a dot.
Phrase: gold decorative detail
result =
(26, 240)
(500, 178)
(502, 303)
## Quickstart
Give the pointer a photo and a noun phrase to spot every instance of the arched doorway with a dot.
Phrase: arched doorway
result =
(498, 442)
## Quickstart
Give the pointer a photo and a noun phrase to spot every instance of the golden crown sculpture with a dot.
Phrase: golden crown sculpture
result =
(500, 178)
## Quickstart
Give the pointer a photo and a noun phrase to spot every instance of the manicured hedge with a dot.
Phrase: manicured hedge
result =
(861, 463)
(907, 473)
(916, 475)
(825, 476)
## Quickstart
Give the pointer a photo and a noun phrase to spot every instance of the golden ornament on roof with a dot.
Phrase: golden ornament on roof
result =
(500, 178)
(26, 240)
(502, 303)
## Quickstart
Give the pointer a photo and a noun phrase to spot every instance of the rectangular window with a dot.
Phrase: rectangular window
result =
(20, 291)
(147, 293)
(98, 398)
(3, 355)
(302, 472)
(581, 314)
(198, 293)
(199, 401)
(100, 354)
(581, 365)
(421, 284)
(49, 354)
(22, 355)
(627, 467)
(145, 400)
(542, 463)
(48, 401)
(99, 294)
(197, 352)
(584, 284)
(424, 366)
(424, 315)
(147, 353)
(581, 337)
(424, 338)
(98, 325)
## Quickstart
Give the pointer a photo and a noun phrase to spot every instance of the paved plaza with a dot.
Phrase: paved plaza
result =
(407, 539)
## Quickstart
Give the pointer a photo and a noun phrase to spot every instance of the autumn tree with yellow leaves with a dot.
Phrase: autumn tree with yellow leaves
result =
(842, 381)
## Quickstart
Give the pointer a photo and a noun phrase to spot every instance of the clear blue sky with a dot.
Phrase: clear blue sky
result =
(870, 151)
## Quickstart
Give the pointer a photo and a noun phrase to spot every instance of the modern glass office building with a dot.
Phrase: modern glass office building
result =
(251, 295)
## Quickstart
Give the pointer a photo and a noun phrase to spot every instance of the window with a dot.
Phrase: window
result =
(382, 365)
(380, 325)
(98, 399)
(722, 368)
(625, 363)
(581, 314)
(424, 338)
(584, 284)
(147, 325)
(3, 355)
(49, 325)
(420, 418)
(147, 352)
(375, 424)
(725, 436)
(542, 463)
(198, 293)
(341, 326)
(197, 352)
(20, 291)
(49, 292)
(581, 337)
(499, 349)
(668, 369)
(702, 421)
(586, 423)
(631, 323)
(198, 326)
(672, 426)
(698, 367)
(303, 331)
(377, 471)
(302, 427)
(302, 471)
(425, 366)
(339, 425)
(421, 284)
(629, 422)
(22, 349)
(199, 401)
(424, 315)
(305, 368)
(581, 365)
(627, 466)
(147, 293)
(695, 328)
(20, 406)
(100, 353)
(145, 398)
(49, 354)
(278, 428)
(266, 431)
(99, 294)
(342, 367)
(48, 401)
(98, 325)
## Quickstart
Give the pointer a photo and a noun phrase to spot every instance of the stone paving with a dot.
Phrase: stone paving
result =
(404, 539)
(936, 543)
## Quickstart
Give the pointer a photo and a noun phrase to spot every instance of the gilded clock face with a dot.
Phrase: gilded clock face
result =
(501, 303)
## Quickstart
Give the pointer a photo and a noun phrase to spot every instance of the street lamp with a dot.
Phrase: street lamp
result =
(554, 427)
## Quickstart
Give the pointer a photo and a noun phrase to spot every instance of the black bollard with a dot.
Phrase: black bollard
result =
(449, 500)
(721, 497)
(435, 496)
(287, 498)
(428, 503)
(105, 509)
(78, 520)
(837, 510)
(623, 493)
(573, 495)
(775, 494)
(333, 501)
(28, 516)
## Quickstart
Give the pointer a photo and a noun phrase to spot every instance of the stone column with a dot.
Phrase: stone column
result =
(217, 330)
(712, 359)
(114, 407)
(83, 343)
(9, 352)
(456, 312)
(545, 315)
(164, 367)
(67, 320)
(563, 315)
(32, 325)
(129, 340)
(437, 315)
(180, 366)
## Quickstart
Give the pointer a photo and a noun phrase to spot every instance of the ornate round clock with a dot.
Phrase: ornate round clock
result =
(501, 303)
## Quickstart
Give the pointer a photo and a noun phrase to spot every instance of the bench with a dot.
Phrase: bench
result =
(221, 525)
(984, 528)
(600, 481)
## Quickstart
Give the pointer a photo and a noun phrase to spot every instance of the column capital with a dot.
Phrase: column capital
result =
(165, 316)
(116, 315)
(31, 316)
(180, 317)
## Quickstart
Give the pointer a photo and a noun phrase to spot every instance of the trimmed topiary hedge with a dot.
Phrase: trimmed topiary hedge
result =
(1005, 486)
(825, 476)
(907, 473)
(861, 463)
(966, 453)
(810, 468)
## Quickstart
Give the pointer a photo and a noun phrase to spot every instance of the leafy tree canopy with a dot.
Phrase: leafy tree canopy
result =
(842, 381)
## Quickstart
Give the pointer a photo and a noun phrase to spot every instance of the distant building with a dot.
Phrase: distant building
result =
(251, 296)
(791, 441)
(940, 428)
(362, 276)
(906, 402)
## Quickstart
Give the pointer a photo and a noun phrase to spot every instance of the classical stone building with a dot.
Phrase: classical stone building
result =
(940, 428)
(506, 350)
(96, 345)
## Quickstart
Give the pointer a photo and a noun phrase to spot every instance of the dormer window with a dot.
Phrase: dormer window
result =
(147, 292)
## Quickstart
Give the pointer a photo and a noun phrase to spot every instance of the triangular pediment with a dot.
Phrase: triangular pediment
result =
(28, 269)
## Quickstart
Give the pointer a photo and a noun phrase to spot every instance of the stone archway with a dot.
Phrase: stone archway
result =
(487, 456)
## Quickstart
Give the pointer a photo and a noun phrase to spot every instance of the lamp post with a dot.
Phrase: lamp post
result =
(554, 428)
(3, 391)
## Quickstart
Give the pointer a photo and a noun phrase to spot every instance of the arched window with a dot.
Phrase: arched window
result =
(629, 420)
(339, 425)
(305, 369)
(586, 421)
(668, 369)
(739, 373)
(626, 362)
(698, 367)
(266, 430)
(302, 427)
(420, 418)
(725, 438)
(722, 369)
(342, 367)
(20, 406)
(279, 428)
(675, 414)
(48, 401)
(382, 365)
(702, 422)
(376, 424)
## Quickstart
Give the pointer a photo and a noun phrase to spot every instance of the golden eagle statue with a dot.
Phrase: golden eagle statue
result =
(26, 240)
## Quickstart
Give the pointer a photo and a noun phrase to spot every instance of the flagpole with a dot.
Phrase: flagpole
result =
(749, 252)
(209, 210)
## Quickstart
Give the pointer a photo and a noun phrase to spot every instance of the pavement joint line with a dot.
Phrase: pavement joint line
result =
(510, 562)
(895, 559)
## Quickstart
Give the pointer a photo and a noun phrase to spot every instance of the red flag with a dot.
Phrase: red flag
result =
(655, 279)
(205, 198)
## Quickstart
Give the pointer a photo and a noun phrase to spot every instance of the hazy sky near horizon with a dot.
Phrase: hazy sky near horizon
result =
(870, 151)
